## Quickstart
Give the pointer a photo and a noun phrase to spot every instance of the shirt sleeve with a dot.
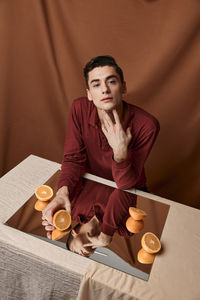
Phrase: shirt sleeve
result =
(117, 212)
(74, 161)
(127, 173)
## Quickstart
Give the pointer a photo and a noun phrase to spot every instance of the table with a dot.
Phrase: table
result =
(33, 269)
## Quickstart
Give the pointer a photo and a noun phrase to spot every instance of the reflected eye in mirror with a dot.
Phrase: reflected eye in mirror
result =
(90, 234)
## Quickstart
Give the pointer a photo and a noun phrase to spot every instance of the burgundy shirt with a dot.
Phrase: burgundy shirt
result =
(111, 207)
(87, 150)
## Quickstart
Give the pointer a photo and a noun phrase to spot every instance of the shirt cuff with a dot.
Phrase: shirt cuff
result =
(120, 165)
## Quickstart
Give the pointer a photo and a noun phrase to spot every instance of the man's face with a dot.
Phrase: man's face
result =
(80, 238)
(77, 245)
(105, 88)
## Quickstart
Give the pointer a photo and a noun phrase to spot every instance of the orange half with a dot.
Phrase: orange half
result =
(62, 219)
(137, 213)
(150, 243)
(133, 225)
(57, 234)
(44, 192)
(40, 205)
(144, 257)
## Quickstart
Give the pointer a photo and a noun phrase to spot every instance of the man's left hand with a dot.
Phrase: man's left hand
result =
(117, 138)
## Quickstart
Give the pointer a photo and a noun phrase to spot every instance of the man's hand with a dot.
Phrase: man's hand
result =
(102, 240)
(60, 201)
(117, 138)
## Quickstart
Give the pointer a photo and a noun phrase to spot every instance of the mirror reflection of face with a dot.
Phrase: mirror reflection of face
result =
(78, 242)
(105, 88)
(80, 238)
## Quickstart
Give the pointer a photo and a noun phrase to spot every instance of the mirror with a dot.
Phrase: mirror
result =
(109, 203)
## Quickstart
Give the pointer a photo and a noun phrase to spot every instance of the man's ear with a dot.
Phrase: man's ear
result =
(89, 94)
(124, 89)
(74, 234)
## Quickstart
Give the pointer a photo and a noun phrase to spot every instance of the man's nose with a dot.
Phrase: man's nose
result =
(105, 88)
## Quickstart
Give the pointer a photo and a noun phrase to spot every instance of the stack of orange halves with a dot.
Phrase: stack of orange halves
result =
(135, 222)
(61, 219)
(150, 243)
(62, 222)
(150, 246)
(43, 194)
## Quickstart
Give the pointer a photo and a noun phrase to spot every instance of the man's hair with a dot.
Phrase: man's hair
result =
(70, 236)
(102, 61)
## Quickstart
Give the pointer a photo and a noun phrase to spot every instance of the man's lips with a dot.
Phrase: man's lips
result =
(108, 99)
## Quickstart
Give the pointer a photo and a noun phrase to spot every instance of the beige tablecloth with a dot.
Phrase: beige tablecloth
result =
(33, 269)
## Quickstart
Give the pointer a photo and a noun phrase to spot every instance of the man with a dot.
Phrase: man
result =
(105, 136)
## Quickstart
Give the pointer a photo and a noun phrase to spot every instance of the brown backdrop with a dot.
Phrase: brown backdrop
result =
(43, 48)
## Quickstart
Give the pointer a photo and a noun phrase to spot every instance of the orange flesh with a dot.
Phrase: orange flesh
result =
(44, 192)
(62, 219)
(151, 243)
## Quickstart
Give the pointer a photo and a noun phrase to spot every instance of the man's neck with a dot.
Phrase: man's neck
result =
(120, 110)
(96, 224)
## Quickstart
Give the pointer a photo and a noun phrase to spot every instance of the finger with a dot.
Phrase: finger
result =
(49, 235)
(48, 212)
(104, 129)
(105, 123)
(48, 207)
(107, 119)
(45, 223)
(116, 117)
(48, 215)
(49, 228)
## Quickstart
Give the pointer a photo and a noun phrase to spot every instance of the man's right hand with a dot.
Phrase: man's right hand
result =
(60, 201)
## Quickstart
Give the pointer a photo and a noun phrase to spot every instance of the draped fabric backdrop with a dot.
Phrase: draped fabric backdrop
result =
(44, 46)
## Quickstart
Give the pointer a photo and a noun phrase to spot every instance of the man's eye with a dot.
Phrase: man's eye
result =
(96, 85)
(111, 81)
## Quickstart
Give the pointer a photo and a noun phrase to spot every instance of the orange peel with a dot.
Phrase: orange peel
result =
(58, 234)
(133, 225)
(144, 257)
(40, 205)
